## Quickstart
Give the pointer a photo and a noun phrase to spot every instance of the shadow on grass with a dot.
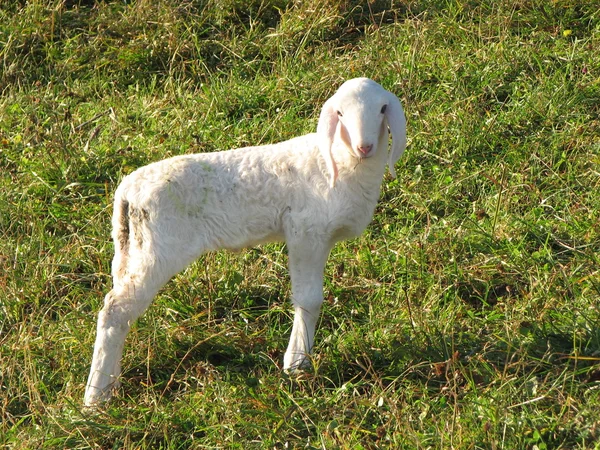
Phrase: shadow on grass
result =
(232, 343)
(546, 350)
(243, 348)
(132, 44)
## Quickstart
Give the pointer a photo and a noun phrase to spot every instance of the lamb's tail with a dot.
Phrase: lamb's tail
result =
(121, 238)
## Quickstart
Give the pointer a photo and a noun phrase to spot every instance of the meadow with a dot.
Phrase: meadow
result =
(466, 317)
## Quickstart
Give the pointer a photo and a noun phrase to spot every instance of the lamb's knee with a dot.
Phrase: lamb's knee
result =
(308, 299)
(120, 310)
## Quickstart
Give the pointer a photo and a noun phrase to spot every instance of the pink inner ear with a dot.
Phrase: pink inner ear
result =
(326, 127)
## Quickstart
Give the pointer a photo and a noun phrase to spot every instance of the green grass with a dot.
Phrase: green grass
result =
(467, 315)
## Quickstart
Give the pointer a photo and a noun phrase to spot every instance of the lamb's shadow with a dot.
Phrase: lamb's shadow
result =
(543, 348)
(232, 342)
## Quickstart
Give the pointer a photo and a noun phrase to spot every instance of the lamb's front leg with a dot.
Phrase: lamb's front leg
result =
(307, 263)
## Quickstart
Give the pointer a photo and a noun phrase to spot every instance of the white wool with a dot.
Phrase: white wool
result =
(310, 191)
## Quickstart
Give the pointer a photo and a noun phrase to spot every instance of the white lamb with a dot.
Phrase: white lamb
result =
(310, 192)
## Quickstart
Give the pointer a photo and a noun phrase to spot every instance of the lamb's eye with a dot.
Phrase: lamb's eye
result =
(383, 108)
(339, 113)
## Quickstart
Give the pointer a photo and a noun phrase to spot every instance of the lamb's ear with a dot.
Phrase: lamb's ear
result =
(396, 121)
(328, 121)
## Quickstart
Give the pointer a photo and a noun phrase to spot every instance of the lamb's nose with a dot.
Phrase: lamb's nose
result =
(365, 149)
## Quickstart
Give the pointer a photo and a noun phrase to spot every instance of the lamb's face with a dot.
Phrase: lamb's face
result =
(361, 108)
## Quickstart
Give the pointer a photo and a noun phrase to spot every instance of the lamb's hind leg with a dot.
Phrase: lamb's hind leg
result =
(122, 306)
(136, 282)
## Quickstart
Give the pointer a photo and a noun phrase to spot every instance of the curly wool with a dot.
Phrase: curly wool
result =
(311, 192)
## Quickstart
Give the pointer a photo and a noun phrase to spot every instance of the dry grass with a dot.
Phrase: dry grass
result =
(465, 317)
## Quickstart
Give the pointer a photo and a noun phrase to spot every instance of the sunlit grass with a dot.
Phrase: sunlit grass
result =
(465, 317)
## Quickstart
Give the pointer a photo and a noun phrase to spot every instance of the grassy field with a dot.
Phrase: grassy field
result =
(466, 317)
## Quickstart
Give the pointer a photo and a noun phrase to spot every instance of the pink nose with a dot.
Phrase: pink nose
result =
(365, 149)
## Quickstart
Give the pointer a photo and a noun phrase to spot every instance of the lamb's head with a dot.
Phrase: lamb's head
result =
(361, 108)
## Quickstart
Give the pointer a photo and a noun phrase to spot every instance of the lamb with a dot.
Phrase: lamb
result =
(310, 191)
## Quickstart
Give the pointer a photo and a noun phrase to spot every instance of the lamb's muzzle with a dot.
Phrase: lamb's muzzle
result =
(309, 191)
(365, 150)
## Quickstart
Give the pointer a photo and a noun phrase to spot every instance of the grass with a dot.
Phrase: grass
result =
(465, 317)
